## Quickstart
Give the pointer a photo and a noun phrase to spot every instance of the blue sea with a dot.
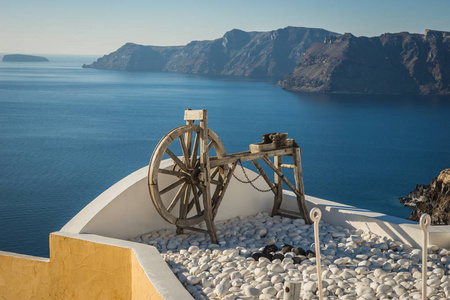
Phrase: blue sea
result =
(67, 134)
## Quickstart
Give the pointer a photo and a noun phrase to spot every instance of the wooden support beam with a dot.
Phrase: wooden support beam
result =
(301, 202)
(280, 174)
(205, 169)
(264, 175)
(195, 229)
(279, 184)
(247, 155)
(289, 213)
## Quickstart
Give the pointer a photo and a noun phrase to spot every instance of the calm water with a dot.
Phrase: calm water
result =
(67, 134)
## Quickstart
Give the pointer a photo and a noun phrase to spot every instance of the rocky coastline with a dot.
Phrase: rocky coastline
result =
(433, 199)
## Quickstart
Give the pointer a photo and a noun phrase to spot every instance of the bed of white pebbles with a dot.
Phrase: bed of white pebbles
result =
(355, 264)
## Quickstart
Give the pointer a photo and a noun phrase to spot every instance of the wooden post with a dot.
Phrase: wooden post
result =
(279, 184)
(299, 185)
(292, 290)
(206, 180)
(188, 139)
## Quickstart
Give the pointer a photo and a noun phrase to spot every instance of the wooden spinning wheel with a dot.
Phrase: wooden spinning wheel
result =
(202, 171)
(187, 174)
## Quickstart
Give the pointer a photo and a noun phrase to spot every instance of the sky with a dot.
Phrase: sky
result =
(98, 27)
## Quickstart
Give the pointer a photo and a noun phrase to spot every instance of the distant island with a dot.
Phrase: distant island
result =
(305, 60)
(23, 58)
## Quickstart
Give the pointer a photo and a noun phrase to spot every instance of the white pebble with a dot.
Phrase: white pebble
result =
(251, 291)
(220, 290)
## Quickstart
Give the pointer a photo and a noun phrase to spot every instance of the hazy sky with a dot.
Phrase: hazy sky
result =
(102, 26)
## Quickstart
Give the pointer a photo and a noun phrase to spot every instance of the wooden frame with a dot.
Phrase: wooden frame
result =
(195, 179)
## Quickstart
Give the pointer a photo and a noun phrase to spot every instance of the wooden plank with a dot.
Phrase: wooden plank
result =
(195, 150)
(205, 169)
(301, 202)
(279, 184)
(194, 115)
(247, 155)
(188, 138)
(195, 229)
(264, 175)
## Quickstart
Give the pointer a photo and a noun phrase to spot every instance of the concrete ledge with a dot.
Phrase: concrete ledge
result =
(352, 217)
(157, 271)
(24, 256)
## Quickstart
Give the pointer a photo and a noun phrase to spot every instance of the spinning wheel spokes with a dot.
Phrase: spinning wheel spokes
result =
(179, 201)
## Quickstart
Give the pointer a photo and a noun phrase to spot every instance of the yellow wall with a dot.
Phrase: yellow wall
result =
(23, 277)
(77, 269)
(142, 288)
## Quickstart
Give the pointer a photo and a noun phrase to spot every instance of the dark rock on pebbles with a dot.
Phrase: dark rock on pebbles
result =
(297, 259)
(268, 256)
(310, 254)
(256, 255)
(286, 248)
(278, 256)
(270, 248)
(299, 251)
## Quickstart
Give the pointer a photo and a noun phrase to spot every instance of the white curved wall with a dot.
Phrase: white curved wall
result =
(125, 211)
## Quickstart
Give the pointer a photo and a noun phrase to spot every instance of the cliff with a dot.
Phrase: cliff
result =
(400, 63)
(433, 199)
(238, 53)
(23, 58)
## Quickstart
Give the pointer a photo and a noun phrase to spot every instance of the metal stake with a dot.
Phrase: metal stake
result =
(315, 214)
(425, 221)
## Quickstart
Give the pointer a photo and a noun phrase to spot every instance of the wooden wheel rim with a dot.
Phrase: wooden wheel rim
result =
(154, 170)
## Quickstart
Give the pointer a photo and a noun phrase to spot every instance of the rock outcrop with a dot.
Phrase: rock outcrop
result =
(263, 55)
(23, 58)
(433, 199)
(400, 63)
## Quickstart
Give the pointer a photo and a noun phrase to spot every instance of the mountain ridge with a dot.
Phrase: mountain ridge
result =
(302, 59)
(261, 55)
(393, 63)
